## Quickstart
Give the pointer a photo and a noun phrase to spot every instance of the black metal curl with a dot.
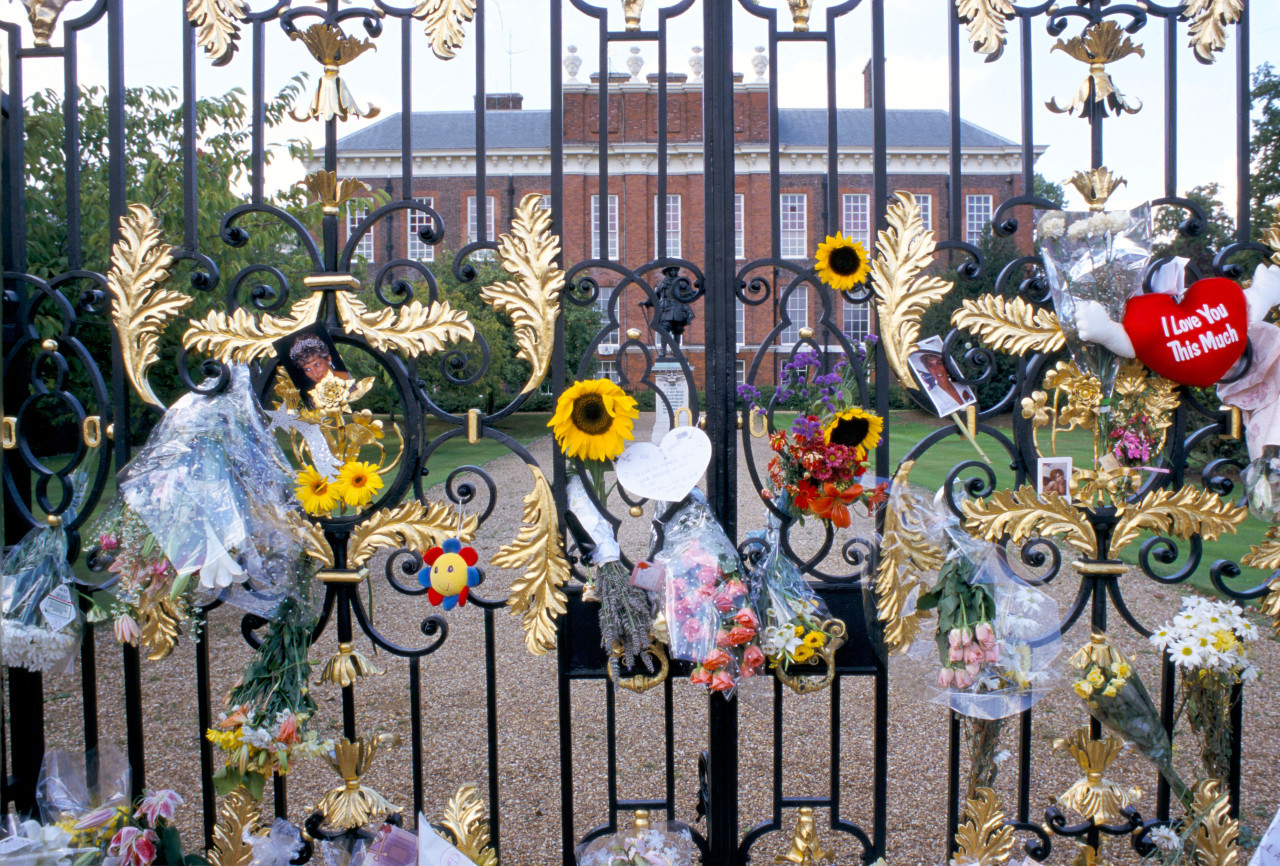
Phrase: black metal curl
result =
(92, 302)
(1165, 551)
(463, 270)
(398, 292)
(454, 361)
(1142, 844)
(405, 561)
(249, 623)
(1243, 366)
(1215, 480)
(859, 552)
(753, 551)
(1225, 568)
(1034, 552)
(1037, 851)
(463, 494)
(977, 357)
(975, 268)
(316, 819)
(212, 368)
(976, 487)
(583, 291)
(206, 275)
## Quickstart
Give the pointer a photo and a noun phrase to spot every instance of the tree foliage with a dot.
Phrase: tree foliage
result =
(1219, 229)
(1264, 146)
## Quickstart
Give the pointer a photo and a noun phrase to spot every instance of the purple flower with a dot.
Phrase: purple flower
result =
(871, 339)
(159, 804)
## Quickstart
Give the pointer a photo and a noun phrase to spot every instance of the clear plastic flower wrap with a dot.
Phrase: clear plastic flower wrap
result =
(795, 622)
(710, 619)
(85, 794)
(30, 843)
(278, 847)
(206, 509)
(655, 843)
(41, 626)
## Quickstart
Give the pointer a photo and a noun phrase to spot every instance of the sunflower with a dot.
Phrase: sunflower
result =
(842, 263)
(593, 420)
(357, 482)
(855, 427)
(315, 492)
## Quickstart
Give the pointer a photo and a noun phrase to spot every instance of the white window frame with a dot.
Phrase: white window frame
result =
(608, 370)
(416, 249)
(857, 319)
(855, 222)
(925, 200)
(793, 224)
(611, 227)
(740, 322)
(740, 371)
(608, 342)
(739, 227)
(673, 226)
(798, 311)
(977, 216)
(365, 247)
(473, 219)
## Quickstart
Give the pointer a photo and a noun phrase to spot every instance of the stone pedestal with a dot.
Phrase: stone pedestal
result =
(669, 376)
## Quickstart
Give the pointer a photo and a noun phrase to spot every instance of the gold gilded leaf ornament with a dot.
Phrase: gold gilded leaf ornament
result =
(904, 250)
(532, 300)
(1096, 186)
(410, 524)
(332, 49)
(1010, 325)
(241, 338)
(314, 542)
(445, 20)
(464, 819)
(983, 839)
(986, 24)
(1179, 513)
(161, 627)
(536, 596)
(1266, 556)
(332, 193)
(1101, 43)
(905, 554)
(346, 666)
(1217, 833)
(412, 329)
(239, 812)
(141, 307)
(1023, 515)
(217, 24)
(353, 805)
(1209, 21)
(1093, 796)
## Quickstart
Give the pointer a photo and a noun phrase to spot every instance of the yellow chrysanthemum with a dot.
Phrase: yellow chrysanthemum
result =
(855, 427)
(1083, 688)
(815, 639)
(593, 420)
(315, 492)
(357, 482)
(802, 653)
(842, 263)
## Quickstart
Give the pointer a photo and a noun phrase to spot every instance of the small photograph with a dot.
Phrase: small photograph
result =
(931, 369)
(1053, 475)
(308, 356)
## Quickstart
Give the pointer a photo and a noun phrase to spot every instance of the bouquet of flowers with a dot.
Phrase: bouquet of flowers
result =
(818, 465)
(646, 844)
(1209, 643)
(1094, 259)
(592, 424)
(204, 512)
(31, 843)
(1115, 696)
(91, 814)
(40, 625)
(710, 619)
(795, 623)
(265, 727)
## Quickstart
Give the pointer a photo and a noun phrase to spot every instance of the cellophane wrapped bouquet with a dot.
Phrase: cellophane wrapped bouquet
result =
(710, 619)
(85, 795)
(1209, 642)
(656, 844)
(795, 623)
(818, 465)
(1115, 695)
(205, 512)
(40, 628)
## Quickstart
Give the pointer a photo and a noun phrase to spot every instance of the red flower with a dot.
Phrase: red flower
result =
(752, 659)
(717, 659)
(738, 635)
(832, 504)
(722, 682)
(881, 494)
(700, 676)
(804, 494)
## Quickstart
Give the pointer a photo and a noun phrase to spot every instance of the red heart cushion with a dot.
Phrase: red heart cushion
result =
(1194, 342)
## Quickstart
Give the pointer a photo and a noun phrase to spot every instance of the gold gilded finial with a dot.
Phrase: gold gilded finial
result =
(631, 12)
(800, 15)
(1100, 44)
(331, 192)
(332, 49)
(346, 666)
(1096, 186)
(1094, 797)
(43, 15)
(351, 804)
(805, 847)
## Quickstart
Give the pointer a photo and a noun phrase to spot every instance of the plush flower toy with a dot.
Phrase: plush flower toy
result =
(452, 573)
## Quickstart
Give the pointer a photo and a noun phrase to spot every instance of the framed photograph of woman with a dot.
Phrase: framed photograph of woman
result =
(1053, 475)
(930, 368)
(309, 355)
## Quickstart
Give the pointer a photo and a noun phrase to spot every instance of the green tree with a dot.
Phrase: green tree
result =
(1047, 189)
(1219, 229)
(1264, 146)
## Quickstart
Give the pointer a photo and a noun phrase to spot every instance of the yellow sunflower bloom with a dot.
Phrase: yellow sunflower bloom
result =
(315, 492)
(854, 427)
(593, 420)
(357, 482)
(842, 263)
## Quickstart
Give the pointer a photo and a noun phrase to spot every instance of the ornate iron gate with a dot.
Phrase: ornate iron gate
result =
(400, 322)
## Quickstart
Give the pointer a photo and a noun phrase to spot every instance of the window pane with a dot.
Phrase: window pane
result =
(608, 370)
(856, 222)
(857, 320)
(740, 321)
(741, 372)
(365, 246)
(418, 220)
(795, 241)
(611, 227)
(609, 340)
(672, 223)
(798, 312)
(926, 209)
(739, 233)
(977, 214)
(473, 234)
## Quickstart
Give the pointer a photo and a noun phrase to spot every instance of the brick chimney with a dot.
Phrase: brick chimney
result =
(866, 85)
(503, 101)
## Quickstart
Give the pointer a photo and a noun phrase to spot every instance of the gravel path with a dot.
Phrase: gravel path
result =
(455, 746)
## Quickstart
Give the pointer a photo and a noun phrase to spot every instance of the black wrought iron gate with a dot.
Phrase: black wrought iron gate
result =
(68, 386)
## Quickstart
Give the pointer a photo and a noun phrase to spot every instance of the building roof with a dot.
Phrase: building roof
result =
(799, 127)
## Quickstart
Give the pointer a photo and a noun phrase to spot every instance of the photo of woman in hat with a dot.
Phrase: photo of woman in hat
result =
(308, 356)
(931, 369)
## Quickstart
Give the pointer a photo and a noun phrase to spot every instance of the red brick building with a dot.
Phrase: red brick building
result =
(518, 150)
